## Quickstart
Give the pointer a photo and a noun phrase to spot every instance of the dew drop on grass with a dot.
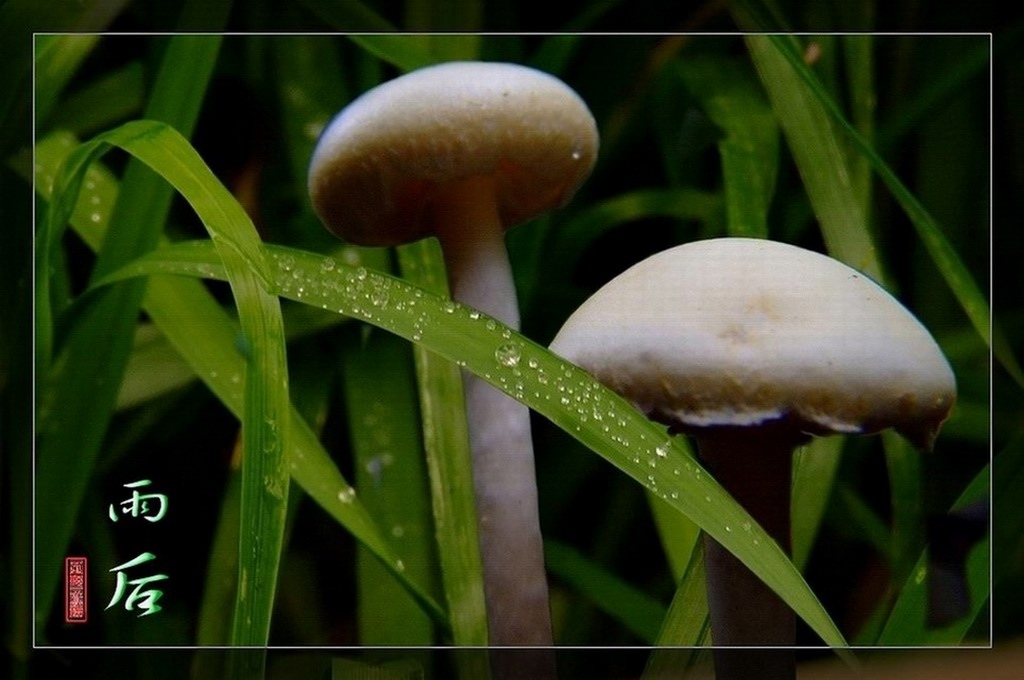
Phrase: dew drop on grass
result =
(507, 355)
(379, 297)
(662, 450)
(347, 495)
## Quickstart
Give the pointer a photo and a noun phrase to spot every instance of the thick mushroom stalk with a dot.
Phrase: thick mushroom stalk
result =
(744, 611)
(752, 346)
(462, 151)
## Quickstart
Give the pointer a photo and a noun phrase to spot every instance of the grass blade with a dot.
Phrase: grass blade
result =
(948, 261)
(749, 146)
(70, 429)
(906, 624)
(562, 392)
(266, 403)
(377, 381)
(449, 460)
(819, 156)
(638, 612)
(207, 338)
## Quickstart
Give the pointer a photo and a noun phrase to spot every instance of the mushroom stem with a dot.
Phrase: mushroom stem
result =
(515, 582)
(755, 466)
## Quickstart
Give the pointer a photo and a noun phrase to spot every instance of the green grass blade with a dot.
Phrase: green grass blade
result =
(562, 392)
(379, 389)
(449, 461)
(948, 261)
(820, 158)
(70, 428)
(207, 338)
(266, 404)
(569, 241)
(749, 145)
(906, 624)
(637, 611)
(406, 52)
(686, 626)
(348, 15)
(906, 497)
(113, 98)
(814, 471)
(57, 60)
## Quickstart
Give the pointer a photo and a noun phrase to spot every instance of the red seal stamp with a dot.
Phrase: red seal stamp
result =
(76, 601)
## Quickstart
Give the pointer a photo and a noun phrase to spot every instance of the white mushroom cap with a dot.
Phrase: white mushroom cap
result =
(739, 332)
(384, 162)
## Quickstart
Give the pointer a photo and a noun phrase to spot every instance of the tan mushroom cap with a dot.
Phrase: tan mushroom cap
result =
(740, 332)
(381, 164)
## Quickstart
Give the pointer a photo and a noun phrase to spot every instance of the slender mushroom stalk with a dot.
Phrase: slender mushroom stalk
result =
(752, 347)
(462, 151)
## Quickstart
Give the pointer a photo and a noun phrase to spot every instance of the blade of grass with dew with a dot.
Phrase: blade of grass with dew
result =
(377, 380)
(155, 367)
(634, 609)
(820, 158)
(749, 146)
(565, 394)
(202, 332)
(907, 624)
(947, 260)
(449, 462)
(686, 627)
(266, 403)
(70, 428)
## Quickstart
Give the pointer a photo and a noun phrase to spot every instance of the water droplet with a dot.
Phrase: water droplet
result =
(361, 273)
(507, 355)
(347, 495)
(449, 306)
(920, 575)
(379, 297)
(662, 450)
(398, 531)
(474, 315)
(491, 324)
(327, 265)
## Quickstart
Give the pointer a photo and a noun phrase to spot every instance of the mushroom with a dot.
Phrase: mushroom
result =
(752, 347)
(462, 151)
